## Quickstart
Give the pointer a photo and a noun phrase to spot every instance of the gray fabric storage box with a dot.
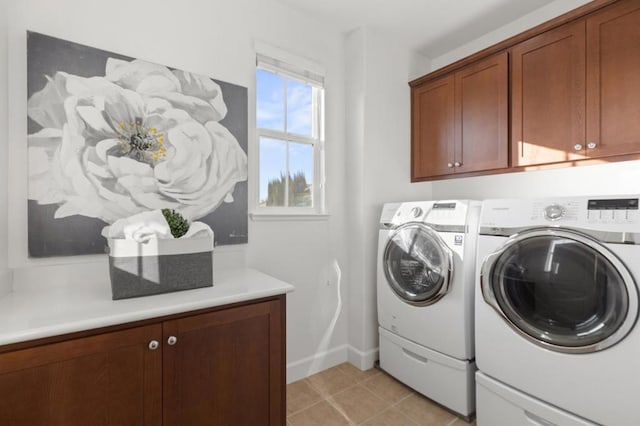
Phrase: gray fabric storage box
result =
(159, 266)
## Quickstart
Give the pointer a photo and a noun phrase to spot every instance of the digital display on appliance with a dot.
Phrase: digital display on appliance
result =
(613, 204)
(450, 206)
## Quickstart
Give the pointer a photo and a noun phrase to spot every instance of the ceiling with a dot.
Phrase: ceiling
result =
(432, 27)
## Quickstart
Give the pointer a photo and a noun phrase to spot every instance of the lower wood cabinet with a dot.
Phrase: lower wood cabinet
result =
(107, 379)
(223, 367)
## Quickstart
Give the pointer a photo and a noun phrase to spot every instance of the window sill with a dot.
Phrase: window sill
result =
(281, 217)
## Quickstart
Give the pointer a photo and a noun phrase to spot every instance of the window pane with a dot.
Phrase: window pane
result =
(299, 111)
(273, 169)
(301, 168)
(269, 100)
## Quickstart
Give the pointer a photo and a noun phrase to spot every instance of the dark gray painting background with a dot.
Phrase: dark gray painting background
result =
(76, 235)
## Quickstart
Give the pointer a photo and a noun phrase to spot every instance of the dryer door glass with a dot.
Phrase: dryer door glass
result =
(417, 264)
(562, 289)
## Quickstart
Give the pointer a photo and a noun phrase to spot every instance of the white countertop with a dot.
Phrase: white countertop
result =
(41, 311)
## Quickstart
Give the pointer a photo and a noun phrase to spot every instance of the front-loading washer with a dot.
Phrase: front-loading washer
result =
(556, 315)
(425, 284)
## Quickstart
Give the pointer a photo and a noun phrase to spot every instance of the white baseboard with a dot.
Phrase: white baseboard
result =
(363, 360)
(306, 367)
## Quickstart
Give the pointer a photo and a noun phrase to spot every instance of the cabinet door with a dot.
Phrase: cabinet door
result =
(613, 80)
(109, 379)
(226, 367)
(548, 97)
(481, 125)
(432, 128)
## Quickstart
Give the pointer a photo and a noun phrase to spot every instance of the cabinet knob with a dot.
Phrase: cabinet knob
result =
(591, 145)
(172, 340)
(457, 164)
(449, 165)
(577, 147)
(153, 345)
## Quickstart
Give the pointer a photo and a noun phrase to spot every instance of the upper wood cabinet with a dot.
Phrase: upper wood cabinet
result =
(459, 122)
(432, 120)
(548, 97)
(481, 125)
(573, 86)
(613, 80)
(575, 90)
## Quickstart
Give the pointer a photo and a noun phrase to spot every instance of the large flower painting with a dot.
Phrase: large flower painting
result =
(111, 136)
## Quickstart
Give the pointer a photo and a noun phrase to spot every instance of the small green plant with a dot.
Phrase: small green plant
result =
(177, 223)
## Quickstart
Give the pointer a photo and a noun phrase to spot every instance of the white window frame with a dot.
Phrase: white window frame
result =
(317, 141)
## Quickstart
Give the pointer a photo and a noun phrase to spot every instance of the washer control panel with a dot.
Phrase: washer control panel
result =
(446, 212)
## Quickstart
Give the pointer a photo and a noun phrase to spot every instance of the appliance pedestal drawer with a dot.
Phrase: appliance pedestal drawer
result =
(446, 380)
(501, 405)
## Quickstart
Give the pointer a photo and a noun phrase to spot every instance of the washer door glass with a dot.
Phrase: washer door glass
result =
(562, 289)
(417, 264)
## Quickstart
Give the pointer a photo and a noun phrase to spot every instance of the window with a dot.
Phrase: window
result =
(289, 122)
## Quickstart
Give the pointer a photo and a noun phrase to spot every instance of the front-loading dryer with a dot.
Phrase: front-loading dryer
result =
(556, 315)
(425, 283)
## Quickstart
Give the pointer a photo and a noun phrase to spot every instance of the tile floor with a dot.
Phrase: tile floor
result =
(344, 395)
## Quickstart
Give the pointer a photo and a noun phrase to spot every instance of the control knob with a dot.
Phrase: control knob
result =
(416, 211)
(553, 212)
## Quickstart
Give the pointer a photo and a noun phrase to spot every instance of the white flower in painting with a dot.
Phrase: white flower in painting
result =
(140, 138)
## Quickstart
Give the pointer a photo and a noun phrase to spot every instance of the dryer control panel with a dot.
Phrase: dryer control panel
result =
(618, 210)
(605, 213)
(555, 211)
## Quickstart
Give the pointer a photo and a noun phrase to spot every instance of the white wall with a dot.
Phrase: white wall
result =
(4, 272)
(215, 38)
(355, 79)
(378, 162)
(526, 22)
(606, 179)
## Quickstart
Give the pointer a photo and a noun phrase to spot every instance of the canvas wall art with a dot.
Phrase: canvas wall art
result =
(111, 136)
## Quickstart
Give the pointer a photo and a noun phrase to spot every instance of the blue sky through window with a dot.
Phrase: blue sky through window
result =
(299, 108)
(270, 101)
(271, 90)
